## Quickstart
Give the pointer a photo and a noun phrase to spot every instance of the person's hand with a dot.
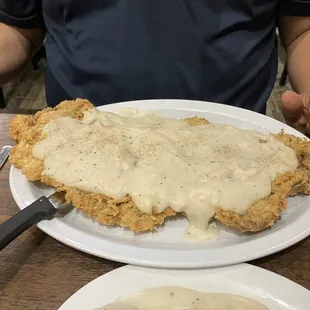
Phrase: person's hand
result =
(296, 110)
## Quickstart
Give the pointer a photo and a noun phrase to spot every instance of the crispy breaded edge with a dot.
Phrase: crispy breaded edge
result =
(27, 130)
(263, 213)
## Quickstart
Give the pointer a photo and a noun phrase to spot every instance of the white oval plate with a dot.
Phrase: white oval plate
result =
(272, 290)
(167, 248)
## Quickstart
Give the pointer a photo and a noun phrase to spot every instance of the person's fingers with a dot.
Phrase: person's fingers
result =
(293, 108)
(306, 114)
(306, 104)
(302, 120)
(292, 104)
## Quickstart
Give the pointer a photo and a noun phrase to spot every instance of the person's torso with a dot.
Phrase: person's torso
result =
(115, 50)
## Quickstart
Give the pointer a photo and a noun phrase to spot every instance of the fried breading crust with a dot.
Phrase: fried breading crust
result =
(263, 213)
(27, 130)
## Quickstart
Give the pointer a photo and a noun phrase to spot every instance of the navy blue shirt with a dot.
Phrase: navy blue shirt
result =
(117, 50)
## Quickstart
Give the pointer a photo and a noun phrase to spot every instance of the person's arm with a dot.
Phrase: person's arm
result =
(21, 33)
(294, 27)
(16, 48)
(295, 35)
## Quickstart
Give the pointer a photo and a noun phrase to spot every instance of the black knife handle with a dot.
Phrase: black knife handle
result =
(39, 210)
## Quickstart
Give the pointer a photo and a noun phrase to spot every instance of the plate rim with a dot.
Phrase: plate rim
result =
(244, 267)
(135, 257)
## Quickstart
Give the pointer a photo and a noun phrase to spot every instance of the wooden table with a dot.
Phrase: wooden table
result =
(37, 272)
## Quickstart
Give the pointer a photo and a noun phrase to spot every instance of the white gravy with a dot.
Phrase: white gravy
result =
(163, 162)
(179, 298)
